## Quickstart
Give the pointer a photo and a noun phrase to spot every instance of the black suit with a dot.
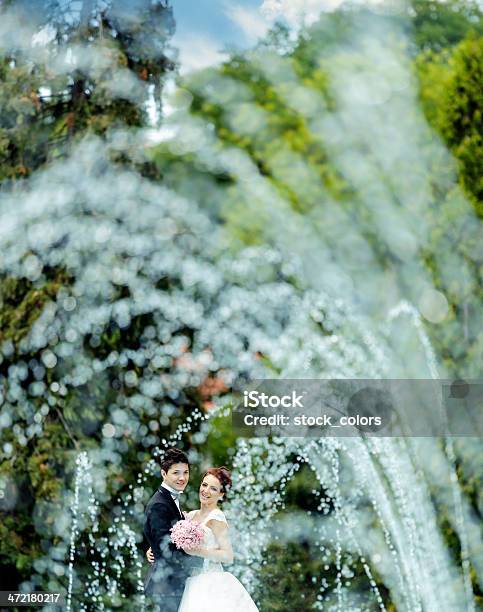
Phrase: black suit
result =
(167, 575)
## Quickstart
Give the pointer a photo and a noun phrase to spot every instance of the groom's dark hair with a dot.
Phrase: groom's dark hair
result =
(172, 456)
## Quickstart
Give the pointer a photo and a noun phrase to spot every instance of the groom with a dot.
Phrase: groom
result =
(167, 575)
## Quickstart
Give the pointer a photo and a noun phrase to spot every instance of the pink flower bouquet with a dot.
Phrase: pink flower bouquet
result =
(187, 534)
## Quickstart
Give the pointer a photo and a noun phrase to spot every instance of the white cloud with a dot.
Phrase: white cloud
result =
(44, 36)
(297, 11)
(197, 51)
(251, 21)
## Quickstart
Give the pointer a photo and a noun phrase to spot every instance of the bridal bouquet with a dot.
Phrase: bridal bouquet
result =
(187, 534)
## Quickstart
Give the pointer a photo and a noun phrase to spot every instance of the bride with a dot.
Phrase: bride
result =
(212, 589)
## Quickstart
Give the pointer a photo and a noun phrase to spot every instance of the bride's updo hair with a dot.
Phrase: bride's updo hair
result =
(223, 474)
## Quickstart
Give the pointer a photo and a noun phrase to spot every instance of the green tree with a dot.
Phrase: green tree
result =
(260, 103)
(461, 115)
(99, 68)
(48, 105)
(439, 25)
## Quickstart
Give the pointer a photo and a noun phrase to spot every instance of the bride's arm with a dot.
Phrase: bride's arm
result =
(224, 552)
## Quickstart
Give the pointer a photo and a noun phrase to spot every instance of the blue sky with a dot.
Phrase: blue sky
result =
(211, 18)
(205, 27)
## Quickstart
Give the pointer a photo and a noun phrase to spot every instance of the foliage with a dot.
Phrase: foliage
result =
(21, 303)
(263, 104)
(440, 25)
(461, 120)
(289, 579)
(260, 104)
(98, 71)
(451, 96)
(20, 107)
(45, 112)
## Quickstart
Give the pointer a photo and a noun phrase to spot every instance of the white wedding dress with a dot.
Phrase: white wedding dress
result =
(212, 589)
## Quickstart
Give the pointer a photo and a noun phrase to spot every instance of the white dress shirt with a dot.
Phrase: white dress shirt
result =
(175, 498)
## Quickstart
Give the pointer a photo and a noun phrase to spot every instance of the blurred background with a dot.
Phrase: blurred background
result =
(195, 194)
